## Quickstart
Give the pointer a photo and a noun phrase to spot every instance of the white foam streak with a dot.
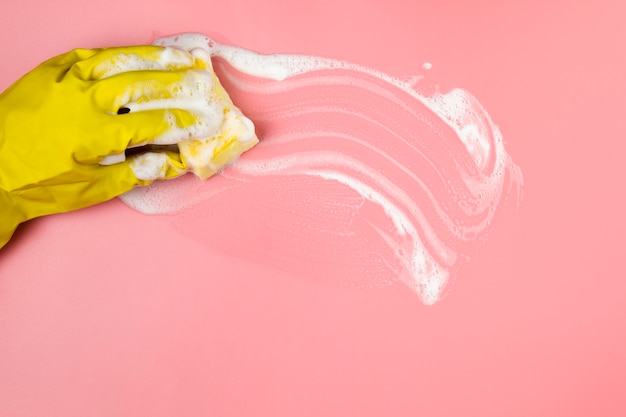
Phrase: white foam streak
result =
(466, 168)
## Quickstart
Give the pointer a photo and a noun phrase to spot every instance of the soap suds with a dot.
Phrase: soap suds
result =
(358, 178)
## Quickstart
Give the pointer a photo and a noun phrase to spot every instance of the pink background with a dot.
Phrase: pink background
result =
(109, 312)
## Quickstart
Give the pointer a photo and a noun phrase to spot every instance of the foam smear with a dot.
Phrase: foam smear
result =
(358, 179)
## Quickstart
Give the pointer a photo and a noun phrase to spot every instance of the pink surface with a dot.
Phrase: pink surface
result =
(107, 311)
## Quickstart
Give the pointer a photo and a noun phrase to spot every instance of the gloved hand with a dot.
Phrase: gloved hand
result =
(59, 122)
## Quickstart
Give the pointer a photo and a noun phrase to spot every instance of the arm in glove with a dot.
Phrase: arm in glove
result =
(60, 124)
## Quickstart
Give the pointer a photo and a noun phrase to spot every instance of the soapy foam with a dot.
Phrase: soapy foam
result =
(407, 183)
(150, 165)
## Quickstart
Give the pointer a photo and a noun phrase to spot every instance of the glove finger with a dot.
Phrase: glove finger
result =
(111, 61)
(111, 181)
(112, 93)
(91, 184)
(107, 182)
(142, 90)
(117, 133)
(162, 126)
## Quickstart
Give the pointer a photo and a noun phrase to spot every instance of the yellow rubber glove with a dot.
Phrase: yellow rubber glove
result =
(61, 120)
